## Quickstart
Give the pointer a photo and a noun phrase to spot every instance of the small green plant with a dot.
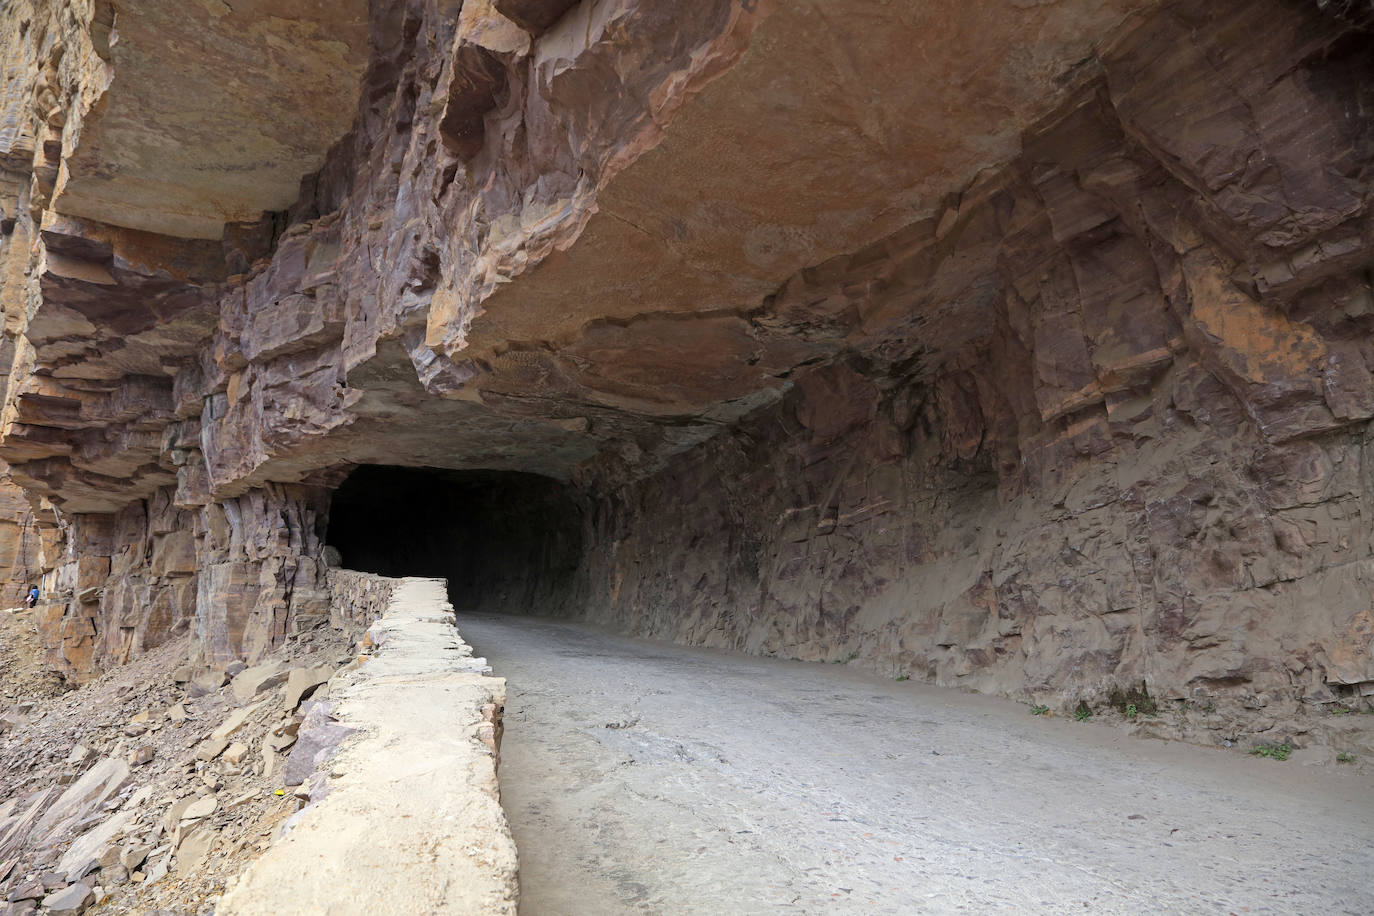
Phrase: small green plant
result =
(1339, 711)
(903, 677)
(846, 659)
(1273, 751)
(1083, 713)
(1345, 757)
(1039, 709)
(1126, 699)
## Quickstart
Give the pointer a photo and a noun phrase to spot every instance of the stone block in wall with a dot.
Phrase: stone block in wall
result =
(164, 516)
(77, 658)
(51, 541)
(170, 608)
(174, 554)
(91, 572)
(84, 573)
(309, 595)
(47, 620)
(124, 599)
(92, 535)
(74, 627)
(291, 324)
(356, 599)
(193, 480)
(69, 640)
(1351, 651)
(227, 594)
(534, 15)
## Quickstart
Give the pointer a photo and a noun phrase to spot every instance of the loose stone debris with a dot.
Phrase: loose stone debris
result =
(147, 789)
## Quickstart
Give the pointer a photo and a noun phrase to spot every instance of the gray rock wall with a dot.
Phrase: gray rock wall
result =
(1100, 427)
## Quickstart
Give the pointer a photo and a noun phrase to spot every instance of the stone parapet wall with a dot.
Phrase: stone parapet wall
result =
(406, 816)
(357, 599)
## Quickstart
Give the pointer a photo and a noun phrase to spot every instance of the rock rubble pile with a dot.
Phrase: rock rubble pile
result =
(148, 788)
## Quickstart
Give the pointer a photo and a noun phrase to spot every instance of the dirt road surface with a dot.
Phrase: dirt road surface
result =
(644, 777)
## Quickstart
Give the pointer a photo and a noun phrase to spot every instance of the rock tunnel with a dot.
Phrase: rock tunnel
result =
(506, 541)
(1050, 384)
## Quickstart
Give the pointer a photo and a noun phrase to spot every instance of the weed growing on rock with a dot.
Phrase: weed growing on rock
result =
(903, 677)
(1084, 712)
(1345, 757)
(1039, 709)
(1132, 698)
(1273, 751)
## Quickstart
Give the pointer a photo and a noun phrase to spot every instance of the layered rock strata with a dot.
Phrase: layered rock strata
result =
(1020, 348)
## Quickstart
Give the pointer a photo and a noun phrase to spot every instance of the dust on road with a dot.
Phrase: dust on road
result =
(644, 777)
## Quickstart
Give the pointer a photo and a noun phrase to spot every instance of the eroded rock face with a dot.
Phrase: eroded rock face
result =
(1050, 378)
(1102, 423)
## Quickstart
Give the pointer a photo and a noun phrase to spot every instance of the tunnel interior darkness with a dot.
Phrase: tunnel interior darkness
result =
(507, 542)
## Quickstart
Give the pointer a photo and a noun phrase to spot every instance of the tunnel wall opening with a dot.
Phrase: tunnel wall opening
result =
(506, 542)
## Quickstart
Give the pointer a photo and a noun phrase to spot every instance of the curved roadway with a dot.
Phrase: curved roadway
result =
(645, 777)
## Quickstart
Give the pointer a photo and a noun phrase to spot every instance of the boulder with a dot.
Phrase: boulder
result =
(194, 848)
(29, 890)
(83, 798)
(302, 682)
(157, 871)
(9, 719)
(211, 748)
(252, 681)
(319, 736)
(235, 753)
(86, 852)
(206, 682)
(236, 720)
(199, 809)
(70, 901)
(137, 725)
(131, 857)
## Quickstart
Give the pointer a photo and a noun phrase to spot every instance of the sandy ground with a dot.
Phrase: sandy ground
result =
(643, 777)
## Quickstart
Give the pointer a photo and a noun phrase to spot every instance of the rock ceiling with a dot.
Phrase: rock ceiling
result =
(525, 250)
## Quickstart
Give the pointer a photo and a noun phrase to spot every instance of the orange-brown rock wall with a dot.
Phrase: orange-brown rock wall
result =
(240, 574)
(124, 583)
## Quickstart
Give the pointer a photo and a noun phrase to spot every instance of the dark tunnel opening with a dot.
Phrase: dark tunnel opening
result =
(507, 542)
